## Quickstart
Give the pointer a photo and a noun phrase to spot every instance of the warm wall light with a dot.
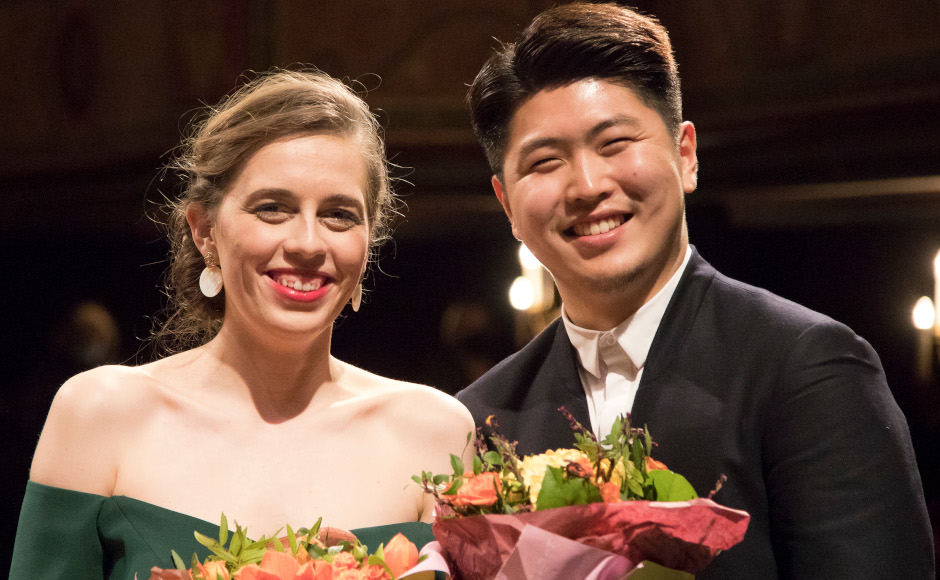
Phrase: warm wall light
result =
(924, 314)
(521, 294)
(537, 293)
(936, 295)
(527, 258)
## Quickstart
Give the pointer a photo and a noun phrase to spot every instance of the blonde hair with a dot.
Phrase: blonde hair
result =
(272, 106)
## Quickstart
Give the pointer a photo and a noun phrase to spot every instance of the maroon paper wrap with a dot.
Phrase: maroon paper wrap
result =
(681, 535)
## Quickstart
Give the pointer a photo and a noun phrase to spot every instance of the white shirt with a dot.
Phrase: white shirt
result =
(612, 361)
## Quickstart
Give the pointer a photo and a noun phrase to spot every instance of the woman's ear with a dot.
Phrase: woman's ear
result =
(200, 224)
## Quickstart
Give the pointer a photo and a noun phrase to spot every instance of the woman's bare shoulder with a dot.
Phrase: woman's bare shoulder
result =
(410, 394)
(422, 408)
(90, 416)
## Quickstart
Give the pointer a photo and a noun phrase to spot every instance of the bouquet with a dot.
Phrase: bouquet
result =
(602, 508)
(307, 554)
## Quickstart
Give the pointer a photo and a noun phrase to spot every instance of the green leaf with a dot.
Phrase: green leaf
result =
(291, 540)
(457, 464)
(558, 492)
(177, 561)
(477, 465)
(454, 486)
(223, 530)
(493, 458)
(671, 486)
(236, 546)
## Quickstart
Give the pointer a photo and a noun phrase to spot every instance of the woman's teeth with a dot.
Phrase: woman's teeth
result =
(598, 227)
(299, 285)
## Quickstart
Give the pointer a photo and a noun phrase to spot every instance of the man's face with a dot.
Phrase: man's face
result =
(593, 183)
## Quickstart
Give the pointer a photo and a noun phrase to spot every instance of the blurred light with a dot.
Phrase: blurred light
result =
(521, 294)
(923, 314)
(527, 258)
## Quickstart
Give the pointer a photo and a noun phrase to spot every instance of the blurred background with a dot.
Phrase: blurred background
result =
(820, 176)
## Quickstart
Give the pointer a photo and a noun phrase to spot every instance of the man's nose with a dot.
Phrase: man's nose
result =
(590, 178)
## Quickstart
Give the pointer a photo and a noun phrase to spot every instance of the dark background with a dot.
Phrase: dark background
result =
(820, 174)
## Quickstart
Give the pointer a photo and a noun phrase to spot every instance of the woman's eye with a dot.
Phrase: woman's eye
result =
(271, 211)
(342, 219)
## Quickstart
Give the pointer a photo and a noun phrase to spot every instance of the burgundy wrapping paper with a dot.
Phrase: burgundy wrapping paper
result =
(682, 535)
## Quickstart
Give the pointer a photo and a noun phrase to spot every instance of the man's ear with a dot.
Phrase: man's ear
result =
(504, 201)
(200, 225)
(688, 157)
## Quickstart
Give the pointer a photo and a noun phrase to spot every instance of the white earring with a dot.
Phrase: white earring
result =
(357, 297)
(210, 281)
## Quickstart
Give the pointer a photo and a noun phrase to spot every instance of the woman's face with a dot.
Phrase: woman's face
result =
(291, 235)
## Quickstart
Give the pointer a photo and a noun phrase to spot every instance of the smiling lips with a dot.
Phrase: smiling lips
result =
(300, 288)
(601, 226)
(298, 283)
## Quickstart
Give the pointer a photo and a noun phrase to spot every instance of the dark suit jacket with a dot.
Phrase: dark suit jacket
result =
(792, 406)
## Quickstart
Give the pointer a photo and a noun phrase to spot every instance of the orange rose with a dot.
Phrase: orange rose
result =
(274, 566)
(160, 574)
(306, 572)
(214, 570)
(610, 492)
(345, 561)
(375, 573)
(483, 489)
(322, 570)
(400, 555)
(652, 464)
(350, 574)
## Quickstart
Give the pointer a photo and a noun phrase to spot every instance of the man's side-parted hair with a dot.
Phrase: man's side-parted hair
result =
(566, 44)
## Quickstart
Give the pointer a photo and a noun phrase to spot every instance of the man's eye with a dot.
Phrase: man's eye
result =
(618, 144)
(544, 164)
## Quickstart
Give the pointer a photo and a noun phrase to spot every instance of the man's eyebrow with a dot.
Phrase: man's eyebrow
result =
(616, 121)
(535, 144)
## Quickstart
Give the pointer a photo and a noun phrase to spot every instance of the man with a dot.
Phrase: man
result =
(581, 123)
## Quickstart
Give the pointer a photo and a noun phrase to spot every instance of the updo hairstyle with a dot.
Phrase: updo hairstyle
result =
(272, 106)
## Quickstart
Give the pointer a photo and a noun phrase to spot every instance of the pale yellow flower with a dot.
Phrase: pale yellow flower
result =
(533, 467)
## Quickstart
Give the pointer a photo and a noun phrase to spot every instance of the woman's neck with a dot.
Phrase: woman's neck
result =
(281, 377)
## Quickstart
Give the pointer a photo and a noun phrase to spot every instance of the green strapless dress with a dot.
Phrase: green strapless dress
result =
(78, 536)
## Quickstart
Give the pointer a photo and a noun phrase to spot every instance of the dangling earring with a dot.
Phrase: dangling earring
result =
(357, 297)
(210, 281)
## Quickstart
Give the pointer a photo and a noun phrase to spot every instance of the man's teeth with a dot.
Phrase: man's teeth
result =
(598, 227)
(299, 285)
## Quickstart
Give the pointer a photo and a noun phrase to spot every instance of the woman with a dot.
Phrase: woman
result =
(287, 189)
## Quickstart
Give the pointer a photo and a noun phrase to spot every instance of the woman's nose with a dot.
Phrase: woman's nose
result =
(305, 238)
